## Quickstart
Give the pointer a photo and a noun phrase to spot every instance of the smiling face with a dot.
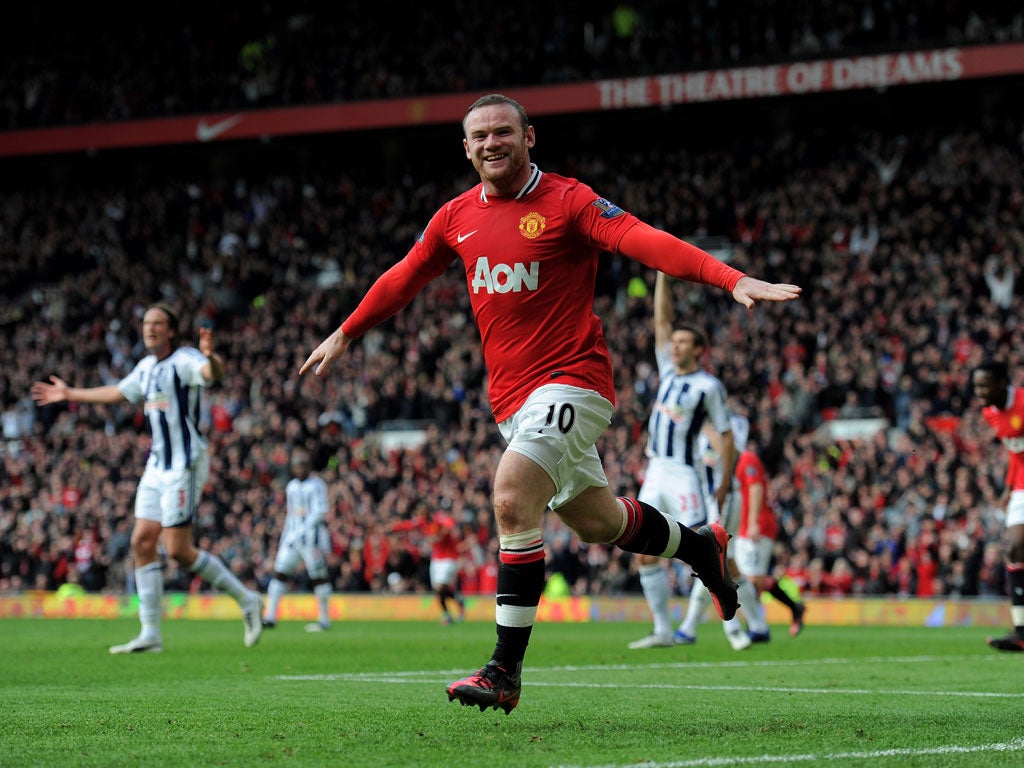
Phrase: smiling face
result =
(498, 145)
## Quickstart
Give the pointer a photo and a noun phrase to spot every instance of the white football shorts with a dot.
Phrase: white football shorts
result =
(753, 556)
(557, 428)
(171, 496)
(1015, 509)
(310, 549)
(443, 572)
(675, 489)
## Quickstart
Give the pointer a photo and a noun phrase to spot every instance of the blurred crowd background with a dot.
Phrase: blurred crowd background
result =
(901, 214)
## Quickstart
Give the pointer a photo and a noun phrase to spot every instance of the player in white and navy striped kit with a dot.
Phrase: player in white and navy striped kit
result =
(688, 396)
(168, 382)
(304, 538)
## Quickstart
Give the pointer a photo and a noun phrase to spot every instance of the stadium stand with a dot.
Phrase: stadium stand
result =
(206, 57)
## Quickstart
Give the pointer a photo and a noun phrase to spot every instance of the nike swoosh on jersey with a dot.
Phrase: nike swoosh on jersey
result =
(210, 131)
(460, 237)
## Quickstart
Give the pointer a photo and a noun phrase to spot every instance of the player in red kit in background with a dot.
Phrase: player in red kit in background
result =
(755, 538)
(1003, 409)
(528, 243)
(446, 547)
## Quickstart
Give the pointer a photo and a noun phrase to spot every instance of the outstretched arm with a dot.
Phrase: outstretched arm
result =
(392, 291)
(750, 290)
(330, 349)
(667, 253)
(57, 391)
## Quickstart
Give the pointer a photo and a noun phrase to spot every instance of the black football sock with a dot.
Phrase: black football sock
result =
(648, 531)
(520, 584)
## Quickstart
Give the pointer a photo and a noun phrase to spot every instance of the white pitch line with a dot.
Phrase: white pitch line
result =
(670, 665)
(777, 689)
(1016, 745)
(437, 679)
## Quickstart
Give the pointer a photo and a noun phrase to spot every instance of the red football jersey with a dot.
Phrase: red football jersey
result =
(530, 262)
(750, 471)
(1008, 423)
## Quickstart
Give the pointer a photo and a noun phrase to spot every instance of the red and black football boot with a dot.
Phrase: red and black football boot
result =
(1012, 642)
(491, 686)
(714, 571)
(796, 627)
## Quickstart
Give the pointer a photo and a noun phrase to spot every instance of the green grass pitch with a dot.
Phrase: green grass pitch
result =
(372, 694)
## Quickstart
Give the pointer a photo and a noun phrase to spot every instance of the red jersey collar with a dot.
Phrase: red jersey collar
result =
(528, 187)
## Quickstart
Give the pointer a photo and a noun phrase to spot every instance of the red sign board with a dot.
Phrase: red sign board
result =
(795, 78)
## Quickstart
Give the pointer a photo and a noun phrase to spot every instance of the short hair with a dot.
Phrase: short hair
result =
(996, 368)
(700, 339)
(492, 99)
(172, 316)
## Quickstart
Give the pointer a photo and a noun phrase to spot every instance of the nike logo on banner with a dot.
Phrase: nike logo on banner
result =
(466, 236)
(210, 131)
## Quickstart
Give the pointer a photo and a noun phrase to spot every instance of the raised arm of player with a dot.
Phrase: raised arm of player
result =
(663, 312)
(214, 368)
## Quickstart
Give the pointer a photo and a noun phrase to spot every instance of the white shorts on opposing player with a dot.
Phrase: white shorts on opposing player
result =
(557, 428)
(674, 489)
(753, 556)
(309, 548)
(171, 496)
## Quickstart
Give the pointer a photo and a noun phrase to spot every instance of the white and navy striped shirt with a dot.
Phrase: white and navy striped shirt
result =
(307, 507)
(684, 403)
(171, 390)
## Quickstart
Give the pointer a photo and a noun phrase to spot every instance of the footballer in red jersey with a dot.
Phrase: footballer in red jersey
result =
(1003, 409)
(529, 242)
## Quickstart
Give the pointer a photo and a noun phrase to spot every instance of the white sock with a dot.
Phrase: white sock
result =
(275, 589)
(751, 606)
(732, 625)
(323, 596)
(211, 570)
(1017, 615)
(696, 608)
(654, 581)
(149, 582)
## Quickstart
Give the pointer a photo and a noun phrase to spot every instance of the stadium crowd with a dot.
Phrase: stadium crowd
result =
(908, 243)
(909, 248)
(202, 57)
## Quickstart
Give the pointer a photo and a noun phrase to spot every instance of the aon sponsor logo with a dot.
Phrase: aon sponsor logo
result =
(1014, 444)
(505, 278)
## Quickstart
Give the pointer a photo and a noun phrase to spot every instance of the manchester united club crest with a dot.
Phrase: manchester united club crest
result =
(531, 225)
(1016, 423)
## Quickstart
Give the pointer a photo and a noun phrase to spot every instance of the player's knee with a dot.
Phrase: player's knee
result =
(510, 514)
(144, 545)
